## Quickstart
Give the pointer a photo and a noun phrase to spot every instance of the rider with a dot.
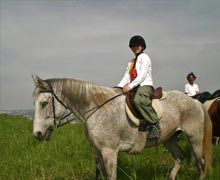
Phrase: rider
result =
(138, 77)
(191, 89)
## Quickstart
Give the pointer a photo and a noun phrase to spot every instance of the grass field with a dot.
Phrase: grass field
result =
(68, 156)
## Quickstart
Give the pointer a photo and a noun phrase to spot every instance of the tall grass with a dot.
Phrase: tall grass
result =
(68, 156)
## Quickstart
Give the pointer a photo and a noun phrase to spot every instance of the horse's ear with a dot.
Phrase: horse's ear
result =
(40, 83)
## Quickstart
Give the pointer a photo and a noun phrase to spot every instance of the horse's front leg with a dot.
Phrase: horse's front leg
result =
(110, 162)
(100, 168)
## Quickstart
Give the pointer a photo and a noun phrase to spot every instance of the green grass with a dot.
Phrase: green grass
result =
(68, 156)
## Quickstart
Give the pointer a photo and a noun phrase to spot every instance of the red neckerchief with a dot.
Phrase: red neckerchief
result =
(133, 71)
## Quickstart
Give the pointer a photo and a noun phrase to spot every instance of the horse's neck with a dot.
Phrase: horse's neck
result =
(82, 96)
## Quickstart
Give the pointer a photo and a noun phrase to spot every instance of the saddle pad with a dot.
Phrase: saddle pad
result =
(156, 104)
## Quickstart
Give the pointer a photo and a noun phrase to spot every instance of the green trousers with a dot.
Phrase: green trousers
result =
(143, 103)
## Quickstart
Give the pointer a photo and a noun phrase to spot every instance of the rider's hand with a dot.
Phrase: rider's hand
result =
(126, 89)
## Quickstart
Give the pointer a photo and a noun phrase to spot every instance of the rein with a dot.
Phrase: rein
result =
(81, 117)
(94, 109)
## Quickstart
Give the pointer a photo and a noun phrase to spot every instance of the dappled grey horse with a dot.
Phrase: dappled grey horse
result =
(108, 129)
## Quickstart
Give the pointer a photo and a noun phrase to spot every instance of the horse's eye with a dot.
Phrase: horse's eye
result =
(44, 104)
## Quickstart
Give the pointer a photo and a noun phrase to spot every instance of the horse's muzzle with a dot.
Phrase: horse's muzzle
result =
(39, 136)
(47, 136)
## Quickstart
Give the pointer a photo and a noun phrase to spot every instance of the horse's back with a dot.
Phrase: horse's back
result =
(180, 101)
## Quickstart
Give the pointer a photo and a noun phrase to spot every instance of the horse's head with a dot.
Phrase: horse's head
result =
(48, 109)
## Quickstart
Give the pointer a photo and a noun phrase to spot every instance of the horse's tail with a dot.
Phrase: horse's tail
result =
(207, 141)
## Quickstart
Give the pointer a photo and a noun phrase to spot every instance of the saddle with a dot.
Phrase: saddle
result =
(206, 96)
(133, 113)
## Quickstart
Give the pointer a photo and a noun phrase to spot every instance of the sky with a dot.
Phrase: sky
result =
(88, 40)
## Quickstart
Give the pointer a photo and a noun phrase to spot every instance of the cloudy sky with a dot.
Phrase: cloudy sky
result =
(88, 40)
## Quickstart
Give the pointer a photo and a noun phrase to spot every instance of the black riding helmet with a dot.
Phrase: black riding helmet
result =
(137, 41)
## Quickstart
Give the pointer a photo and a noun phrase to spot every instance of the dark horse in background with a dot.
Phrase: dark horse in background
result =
(212, 103)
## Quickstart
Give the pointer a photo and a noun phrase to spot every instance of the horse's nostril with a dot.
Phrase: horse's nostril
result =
(38, 135)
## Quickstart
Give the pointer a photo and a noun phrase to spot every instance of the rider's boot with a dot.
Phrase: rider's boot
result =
(142, 126)
(154, 130)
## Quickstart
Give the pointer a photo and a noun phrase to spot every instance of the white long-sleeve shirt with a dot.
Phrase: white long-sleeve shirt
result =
(144, 76)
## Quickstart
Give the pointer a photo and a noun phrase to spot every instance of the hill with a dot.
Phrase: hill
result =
(27, 113)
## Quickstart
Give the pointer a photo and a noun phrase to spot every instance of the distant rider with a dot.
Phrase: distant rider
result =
(191, 88)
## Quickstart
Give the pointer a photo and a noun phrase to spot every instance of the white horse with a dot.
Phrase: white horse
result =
(108, 129)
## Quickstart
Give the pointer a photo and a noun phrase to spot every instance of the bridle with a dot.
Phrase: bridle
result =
(82, 117)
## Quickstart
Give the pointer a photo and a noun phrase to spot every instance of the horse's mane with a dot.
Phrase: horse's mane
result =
(216, 94)
(81, 93)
